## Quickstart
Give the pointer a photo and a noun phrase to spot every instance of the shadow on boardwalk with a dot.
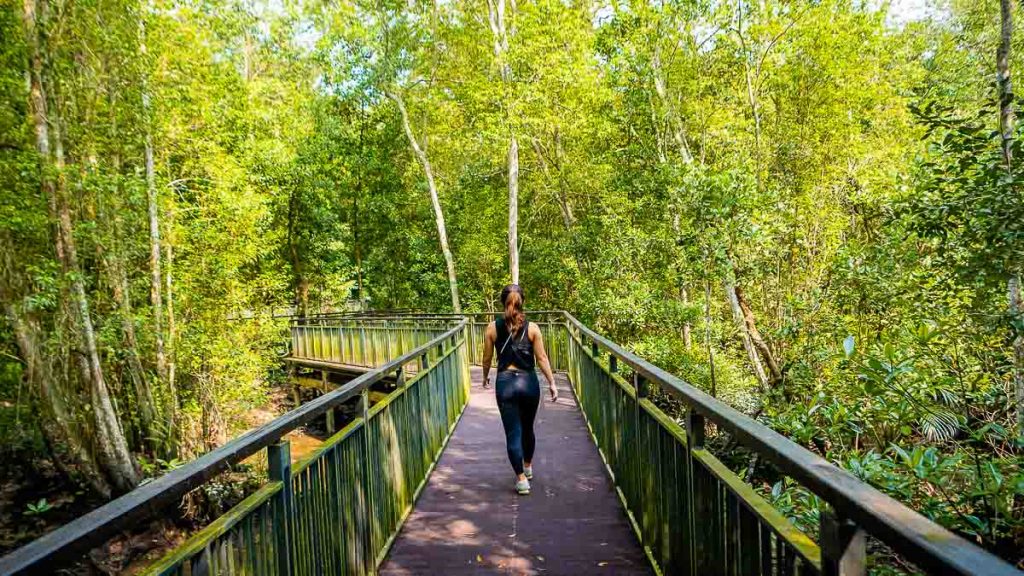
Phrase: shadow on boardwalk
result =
(469, 520)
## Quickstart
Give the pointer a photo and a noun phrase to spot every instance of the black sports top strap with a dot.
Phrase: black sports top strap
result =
(513, 348)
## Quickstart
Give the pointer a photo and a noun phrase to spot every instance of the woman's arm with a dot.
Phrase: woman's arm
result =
(490, 334)
(542, 358)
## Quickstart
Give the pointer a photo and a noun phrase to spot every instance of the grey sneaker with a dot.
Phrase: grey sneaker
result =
(528, 472)
(523, 487)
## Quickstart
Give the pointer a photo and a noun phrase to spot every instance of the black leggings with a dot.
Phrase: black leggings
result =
(518, 395)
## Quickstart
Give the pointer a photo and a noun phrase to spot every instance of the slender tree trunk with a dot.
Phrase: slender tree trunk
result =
(707, 336)
(513, 209)
(357, 247)
(1007, 118)
(119, 287)
(674, 121)
(500, 34)
(684, 295)
(172, 391)
(1007, 121)
(355, 213)
(774, 371)
(1016, 311)
(741, 326)
(301, 282)
(111, 444)
(435, 200)
(117, 279)
(752, 101)
(156, 277)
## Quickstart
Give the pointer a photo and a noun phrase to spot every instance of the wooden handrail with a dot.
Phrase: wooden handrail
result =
(910, 534)
(43, 555)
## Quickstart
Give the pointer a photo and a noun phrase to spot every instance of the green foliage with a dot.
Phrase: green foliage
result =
(37, 508)
(843, 172)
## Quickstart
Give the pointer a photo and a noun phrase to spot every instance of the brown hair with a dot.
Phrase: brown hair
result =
(512, 299)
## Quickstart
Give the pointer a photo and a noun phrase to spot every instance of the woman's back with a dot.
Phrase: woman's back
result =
(514, 349)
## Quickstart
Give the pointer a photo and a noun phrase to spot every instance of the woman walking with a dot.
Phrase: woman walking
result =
(517, 388)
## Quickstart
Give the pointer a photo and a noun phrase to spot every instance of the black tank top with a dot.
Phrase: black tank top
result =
(515, 349)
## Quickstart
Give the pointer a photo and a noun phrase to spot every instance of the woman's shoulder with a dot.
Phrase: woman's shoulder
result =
(532, 329)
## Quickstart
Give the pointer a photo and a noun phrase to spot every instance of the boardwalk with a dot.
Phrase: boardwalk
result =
(469, 521)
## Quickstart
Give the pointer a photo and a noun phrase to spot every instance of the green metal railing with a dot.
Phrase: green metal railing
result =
(356, 339)
(338, 510)
(362, 341)
(693, 514)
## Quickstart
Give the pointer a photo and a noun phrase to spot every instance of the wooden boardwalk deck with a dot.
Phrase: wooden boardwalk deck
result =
(469, 520)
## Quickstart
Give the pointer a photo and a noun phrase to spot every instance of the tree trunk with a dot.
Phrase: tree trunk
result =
(707, 336)
(153, 208)
(358, 250)
(118, 281)
(117, 278)
(1007, 121)
(59, 428)
(1017, 313)
(774, 371)
(301, 282)
(513, 209)
(674, 121)
(741, 326)
(111, 444)
(500, 34)
(1005, 86)
(156, 277)
(172, 391)
(435, 200)
(112, 447)
(684, 295)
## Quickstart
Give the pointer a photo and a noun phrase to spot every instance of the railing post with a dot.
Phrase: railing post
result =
(702, 500)
(843, 546)
(363, 409)
(640, 385)
(594, 350)
(329, 416)
(279, 467)
(424, 361)
(613, 363)
(639, 468)
(362, 348)
(399, 377)
(695, 429)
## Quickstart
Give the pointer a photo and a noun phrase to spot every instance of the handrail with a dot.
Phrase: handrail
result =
(390, 315)
(907, 532)
(80, 535)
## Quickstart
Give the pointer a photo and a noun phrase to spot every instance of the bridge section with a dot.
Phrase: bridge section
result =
(341, 509)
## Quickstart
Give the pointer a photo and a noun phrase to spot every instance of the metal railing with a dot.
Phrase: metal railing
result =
(335, 511)
(694, 516)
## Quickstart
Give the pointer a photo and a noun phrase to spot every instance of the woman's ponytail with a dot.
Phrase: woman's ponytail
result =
(512, 300)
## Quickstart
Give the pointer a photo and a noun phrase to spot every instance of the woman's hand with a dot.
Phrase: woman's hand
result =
(553, 390)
